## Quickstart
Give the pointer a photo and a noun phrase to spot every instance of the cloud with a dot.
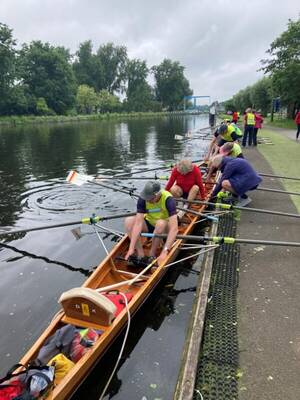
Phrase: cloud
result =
(219, 42)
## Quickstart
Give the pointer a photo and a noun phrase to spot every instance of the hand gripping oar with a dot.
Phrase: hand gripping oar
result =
(224, 240)
(231, 207)
(89, 220)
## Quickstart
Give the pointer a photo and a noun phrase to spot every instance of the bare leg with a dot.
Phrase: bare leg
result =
(129, 224)
(227, 186)
(160, 227)
(193, 193)
(176, 191)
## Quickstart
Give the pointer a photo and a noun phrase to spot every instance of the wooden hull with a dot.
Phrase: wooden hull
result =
(107, 274)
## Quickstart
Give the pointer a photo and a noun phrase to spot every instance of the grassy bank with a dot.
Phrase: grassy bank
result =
(29, 119)
(281, 123)
(284, 160)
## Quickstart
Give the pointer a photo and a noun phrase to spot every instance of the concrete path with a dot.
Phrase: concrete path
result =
(269, 296)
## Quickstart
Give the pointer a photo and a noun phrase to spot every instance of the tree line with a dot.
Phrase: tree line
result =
(41, 79)
(281, 80)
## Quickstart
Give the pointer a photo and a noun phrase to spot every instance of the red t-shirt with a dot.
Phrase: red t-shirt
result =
(297, 119)
(187, 181)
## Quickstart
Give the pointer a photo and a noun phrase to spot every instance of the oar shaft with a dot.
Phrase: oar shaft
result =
(225, 240)
(277, 191)
(130, 192)
(279, 176)
(153, 169)
(231, 207)
(93, 219)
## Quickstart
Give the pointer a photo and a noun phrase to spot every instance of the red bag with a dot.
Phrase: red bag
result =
(10, 390)
(118, 300)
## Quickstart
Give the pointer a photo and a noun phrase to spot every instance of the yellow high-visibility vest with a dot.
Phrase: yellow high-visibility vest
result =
(162, 212)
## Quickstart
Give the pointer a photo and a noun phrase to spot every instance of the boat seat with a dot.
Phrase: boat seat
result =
(85, 304)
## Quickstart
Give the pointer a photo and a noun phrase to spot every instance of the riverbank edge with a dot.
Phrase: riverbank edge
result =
(31, 119)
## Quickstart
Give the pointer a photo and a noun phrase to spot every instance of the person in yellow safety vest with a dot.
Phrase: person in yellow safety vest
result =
(225, 133)
(156, 213)
(249, 123)
(231, 149)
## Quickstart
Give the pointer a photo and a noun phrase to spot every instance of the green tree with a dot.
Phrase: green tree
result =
(170, 84)
(284, 66)
(139, 94)
(108, 102)
(7, 66)
(261, 95)
(111, 63)
(47, 73)
(42, 107)
(85, 65)
(86, 99)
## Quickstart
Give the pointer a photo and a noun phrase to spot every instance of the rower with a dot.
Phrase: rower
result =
(162, 218)
(238, 176)
(231, 149)
(186, 181)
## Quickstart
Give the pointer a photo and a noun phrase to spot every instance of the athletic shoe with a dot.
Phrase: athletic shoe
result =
(243, 202)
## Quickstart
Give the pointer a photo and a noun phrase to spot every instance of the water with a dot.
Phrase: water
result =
(37, 267)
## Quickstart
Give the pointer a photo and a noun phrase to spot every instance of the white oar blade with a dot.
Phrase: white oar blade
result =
(178, 137)
(78, 179)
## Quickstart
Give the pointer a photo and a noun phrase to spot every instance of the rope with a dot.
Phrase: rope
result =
(122, 347)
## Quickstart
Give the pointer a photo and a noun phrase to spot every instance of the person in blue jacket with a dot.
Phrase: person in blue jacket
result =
(238, 177)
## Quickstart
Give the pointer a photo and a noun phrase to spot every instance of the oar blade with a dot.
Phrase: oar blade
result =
(78, 179)
(178, 137)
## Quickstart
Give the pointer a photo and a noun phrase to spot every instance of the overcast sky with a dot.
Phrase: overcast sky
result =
(220, 42)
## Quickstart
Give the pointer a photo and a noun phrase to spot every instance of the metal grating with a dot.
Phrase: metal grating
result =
(217, 374)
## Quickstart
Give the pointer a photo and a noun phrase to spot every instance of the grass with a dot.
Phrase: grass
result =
(33, 119)
(284, 160)
(281, 123)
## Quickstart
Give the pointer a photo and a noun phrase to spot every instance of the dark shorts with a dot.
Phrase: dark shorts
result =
(149, 226)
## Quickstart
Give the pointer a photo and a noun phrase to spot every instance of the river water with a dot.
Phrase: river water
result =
(37, 267)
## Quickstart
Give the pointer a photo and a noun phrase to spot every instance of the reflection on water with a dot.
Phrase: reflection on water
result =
(37, 267)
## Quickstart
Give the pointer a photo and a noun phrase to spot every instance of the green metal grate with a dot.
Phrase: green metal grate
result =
(218, 366)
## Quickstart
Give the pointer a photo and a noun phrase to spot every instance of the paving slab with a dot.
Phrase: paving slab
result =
(269, 296)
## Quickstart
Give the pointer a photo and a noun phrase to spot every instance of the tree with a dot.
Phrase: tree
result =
(85, 66)
(47, 73)
(42, 107)
(284, 66)
(111, 64)
(7, 66)
(86, 99)
(139, 94)
(261, 95)
(170, 84)
(108, 102)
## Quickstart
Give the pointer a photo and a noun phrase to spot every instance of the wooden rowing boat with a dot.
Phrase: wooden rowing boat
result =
(112, 271)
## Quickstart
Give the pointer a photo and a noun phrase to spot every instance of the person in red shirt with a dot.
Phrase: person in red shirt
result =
(235, 117)
(186, 181)
(297, 120)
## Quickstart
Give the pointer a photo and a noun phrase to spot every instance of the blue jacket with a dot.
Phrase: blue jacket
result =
(240, 174)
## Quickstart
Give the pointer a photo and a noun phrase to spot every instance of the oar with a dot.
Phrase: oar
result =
(269, 175)
(89, 220)
(279, 176)
(264, 189)
(231, 207)
(224, 240)
(144, 178)
(277, 191)
(164, 167)
(79, 179)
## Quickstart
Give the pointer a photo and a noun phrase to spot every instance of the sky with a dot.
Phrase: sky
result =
(219, 42)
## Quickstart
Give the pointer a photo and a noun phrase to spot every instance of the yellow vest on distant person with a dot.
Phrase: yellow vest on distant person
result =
(250, 119)
(227, 136)
(236, 151)
(162, 212)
